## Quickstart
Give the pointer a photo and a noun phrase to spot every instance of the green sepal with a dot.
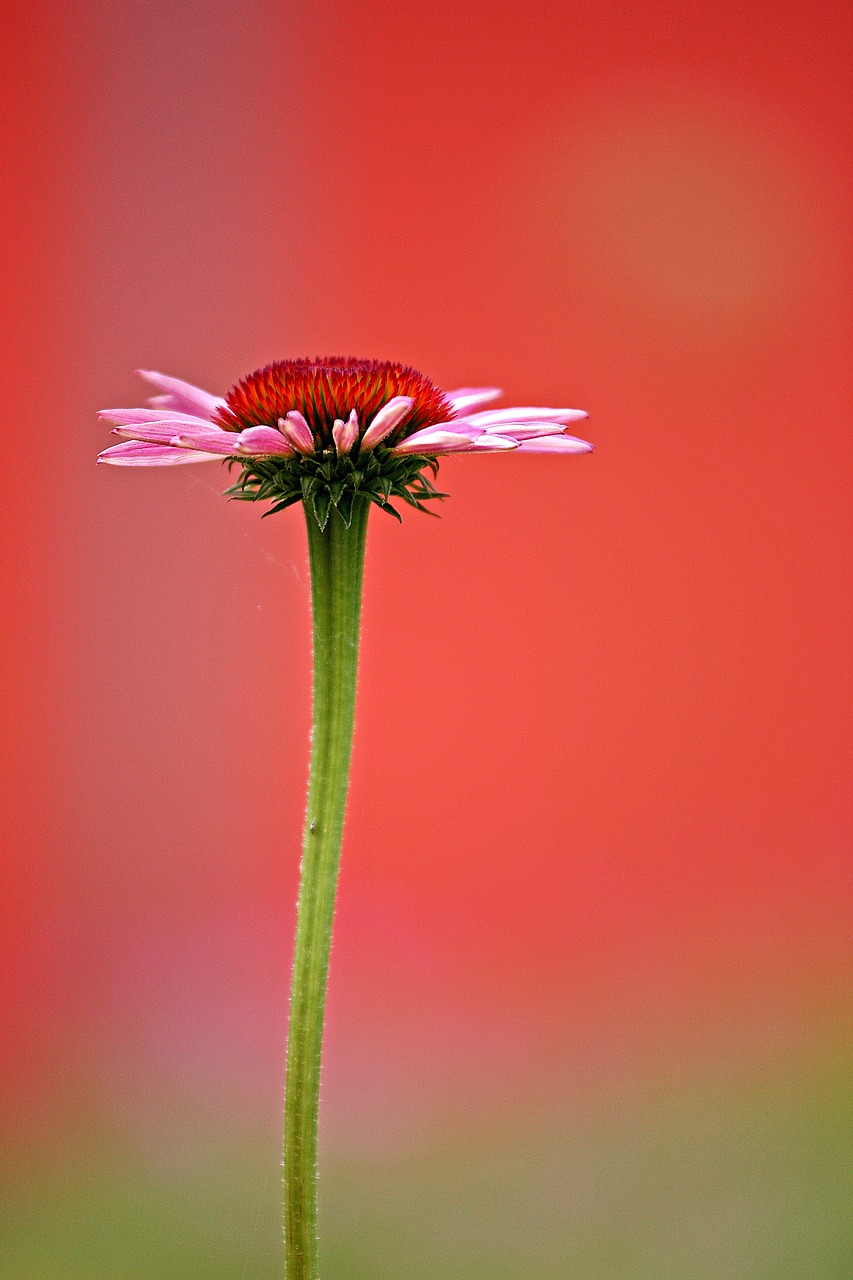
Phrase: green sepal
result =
(325, 479)
(280, 506)
(322, 506)
(345, 505)
(392, 511)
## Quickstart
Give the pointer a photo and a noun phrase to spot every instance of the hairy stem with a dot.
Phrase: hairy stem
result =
(337, 563)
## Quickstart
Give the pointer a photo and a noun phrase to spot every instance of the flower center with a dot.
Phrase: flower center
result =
(325, 389)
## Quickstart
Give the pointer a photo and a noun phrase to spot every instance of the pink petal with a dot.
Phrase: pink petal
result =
(500, 417)
(465, 398)
(345, 434)
(133, 453)
(434, 441)
(526, 430)
(556, 444)
(262, 440)
(489, 443)
(456, 428)
(134, 417)
(180, 395)
(296, 430)
(182, 436)
(385, 421)
(221, 443)
(428, 441)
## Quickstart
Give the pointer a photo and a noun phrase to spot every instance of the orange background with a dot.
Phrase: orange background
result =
(600, 822)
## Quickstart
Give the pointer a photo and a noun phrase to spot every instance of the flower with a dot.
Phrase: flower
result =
(336, 435)
(325, 430)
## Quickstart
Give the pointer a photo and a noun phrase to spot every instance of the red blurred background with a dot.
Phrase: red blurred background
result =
(601, 818)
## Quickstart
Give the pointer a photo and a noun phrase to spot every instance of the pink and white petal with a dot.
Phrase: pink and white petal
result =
(345, 434)
(464, 399)
(136, 417)
(488, 443)
(220, 442)
(516, 416)
(262, 440)
(556, 444)
(526, 430)
(135, 453)
(454, 428)
(295, 429)
(181, 395)
(430, 441)
(182, 435)
(459, 426)
(387, 420)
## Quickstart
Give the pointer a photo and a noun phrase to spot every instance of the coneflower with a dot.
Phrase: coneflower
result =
(338, 435)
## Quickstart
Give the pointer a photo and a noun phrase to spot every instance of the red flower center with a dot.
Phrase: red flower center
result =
(325, 389)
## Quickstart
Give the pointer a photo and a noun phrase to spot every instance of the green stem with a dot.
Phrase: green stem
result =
(337, 563)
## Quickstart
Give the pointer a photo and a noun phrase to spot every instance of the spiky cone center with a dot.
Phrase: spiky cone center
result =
(323, 393)
(324, 390)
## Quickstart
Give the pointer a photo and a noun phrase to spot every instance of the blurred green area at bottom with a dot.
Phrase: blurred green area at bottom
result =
(752, 1181)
